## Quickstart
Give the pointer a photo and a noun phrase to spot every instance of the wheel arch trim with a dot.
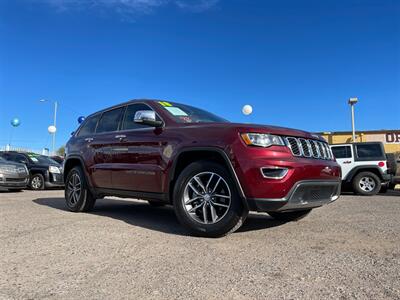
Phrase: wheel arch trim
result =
(82, 163)
(349, 177)
(172, 172)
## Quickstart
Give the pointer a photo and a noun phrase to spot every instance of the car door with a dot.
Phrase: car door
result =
(370, 154)
(345, 158)
(101, 147)
(84, 144)
(138, 161)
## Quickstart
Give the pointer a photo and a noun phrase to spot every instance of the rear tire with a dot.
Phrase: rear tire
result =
(78, 197)
(206, 200)
(391, 163)
(366, 184)
(289, 216)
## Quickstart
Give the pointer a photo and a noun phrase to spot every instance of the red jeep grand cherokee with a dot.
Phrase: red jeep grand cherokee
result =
(212, 171)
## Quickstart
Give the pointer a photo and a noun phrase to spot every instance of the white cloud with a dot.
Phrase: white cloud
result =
(130, 7)
(195, 5)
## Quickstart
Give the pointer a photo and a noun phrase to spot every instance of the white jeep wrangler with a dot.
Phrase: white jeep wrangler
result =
(364, 167)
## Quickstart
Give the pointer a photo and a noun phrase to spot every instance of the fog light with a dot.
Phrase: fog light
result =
(274, 172)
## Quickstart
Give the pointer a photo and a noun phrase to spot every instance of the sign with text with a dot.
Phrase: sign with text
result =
(386, 138)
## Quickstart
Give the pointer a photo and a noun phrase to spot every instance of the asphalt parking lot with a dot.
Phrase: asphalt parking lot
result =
(127, 249)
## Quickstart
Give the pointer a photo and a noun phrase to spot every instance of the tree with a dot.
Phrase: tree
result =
(61, 151)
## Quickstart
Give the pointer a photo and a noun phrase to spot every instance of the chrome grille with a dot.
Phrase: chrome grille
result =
(309, 148)
(314, 149)
(294, 146)
(305, 147)
(328, 151)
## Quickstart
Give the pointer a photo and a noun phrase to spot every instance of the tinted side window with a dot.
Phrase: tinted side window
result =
(4, 156)
(90, 126)
(12, 157)
(130, 116)
(341, 151)
(369, 151)
(20, 158)
(110, 120)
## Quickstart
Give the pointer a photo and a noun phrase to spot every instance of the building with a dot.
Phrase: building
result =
(389, 138)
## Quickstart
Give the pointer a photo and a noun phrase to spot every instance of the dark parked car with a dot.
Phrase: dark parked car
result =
(43, 171)
(212, 171)
(58, 159)
(13, 176)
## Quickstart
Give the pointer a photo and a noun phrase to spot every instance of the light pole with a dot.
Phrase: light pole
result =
(53, 129)
(352, 102)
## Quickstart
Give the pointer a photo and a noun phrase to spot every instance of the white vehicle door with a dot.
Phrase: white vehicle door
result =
(345, 158)
(372, 154)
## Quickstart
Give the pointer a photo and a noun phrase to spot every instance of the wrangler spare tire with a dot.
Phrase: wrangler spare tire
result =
(391, 163)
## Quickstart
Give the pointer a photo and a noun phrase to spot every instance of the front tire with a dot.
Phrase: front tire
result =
(206, 200)
(78, 197)
(366, 184)
(289, 216)
(37, 182)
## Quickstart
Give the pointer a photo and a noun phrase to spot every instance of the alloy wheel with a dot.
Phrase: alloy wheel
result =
(74, 188)
(36, 183)
(367, 184)
(207, 198)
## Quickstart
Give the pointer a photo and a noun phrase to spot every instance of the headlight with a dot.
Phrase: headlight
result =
(55, 170)
(7, 169)
(262, 140)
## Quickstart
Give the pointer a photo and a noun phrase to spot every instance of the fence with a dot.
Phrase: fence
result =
(44, 151)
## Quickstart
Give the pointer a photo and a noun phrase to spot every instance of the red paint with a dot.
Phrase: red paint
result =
(144, 160)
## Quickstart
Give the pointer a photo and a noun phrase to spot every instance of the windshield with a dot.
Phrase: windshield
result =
(41, 159)
(189, 114)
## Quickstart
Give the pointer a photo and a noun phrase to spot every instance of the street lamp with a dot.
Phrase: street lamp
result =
(352, 102)
(53, 128)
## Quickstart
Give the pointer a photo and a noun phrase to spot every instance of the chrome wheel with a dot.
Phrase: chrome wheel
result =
(367, 184)
(36, 182)
(74, 188)
(206, 198)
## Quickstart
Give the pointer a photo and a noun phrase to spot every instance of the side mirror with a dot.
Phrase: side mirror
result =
(147, 117)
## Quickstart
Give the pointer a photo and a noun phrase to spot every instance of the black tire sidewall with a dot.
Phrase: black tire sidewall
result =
(235, 214)
(356, 184)
(41, 177)
(81, 204)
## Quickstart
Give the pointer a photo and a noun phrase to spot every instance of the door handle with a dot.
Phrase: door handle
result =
(347, 162)
(89, 140)
(121, 137)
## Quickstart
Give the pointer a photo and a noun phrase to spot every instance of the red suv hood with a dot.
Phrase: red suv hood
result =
(243, 127)
(276, 130)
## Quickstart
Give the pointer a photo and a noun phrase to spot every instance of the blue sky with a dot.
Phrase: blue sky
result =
(295, 62)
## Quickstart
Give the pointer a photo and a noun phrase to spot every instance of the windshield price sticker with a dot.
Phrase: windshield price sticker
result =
(176, 111)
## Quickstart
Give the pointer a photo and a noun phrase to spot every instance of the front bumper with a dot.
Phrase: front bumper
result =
(53, 180)
(14, 182)
(304, 195)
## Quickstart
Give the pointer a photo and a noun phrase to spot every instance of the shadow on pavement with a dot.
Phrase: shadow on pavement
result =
(6, 191)
(163, 219)
(388, 193)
